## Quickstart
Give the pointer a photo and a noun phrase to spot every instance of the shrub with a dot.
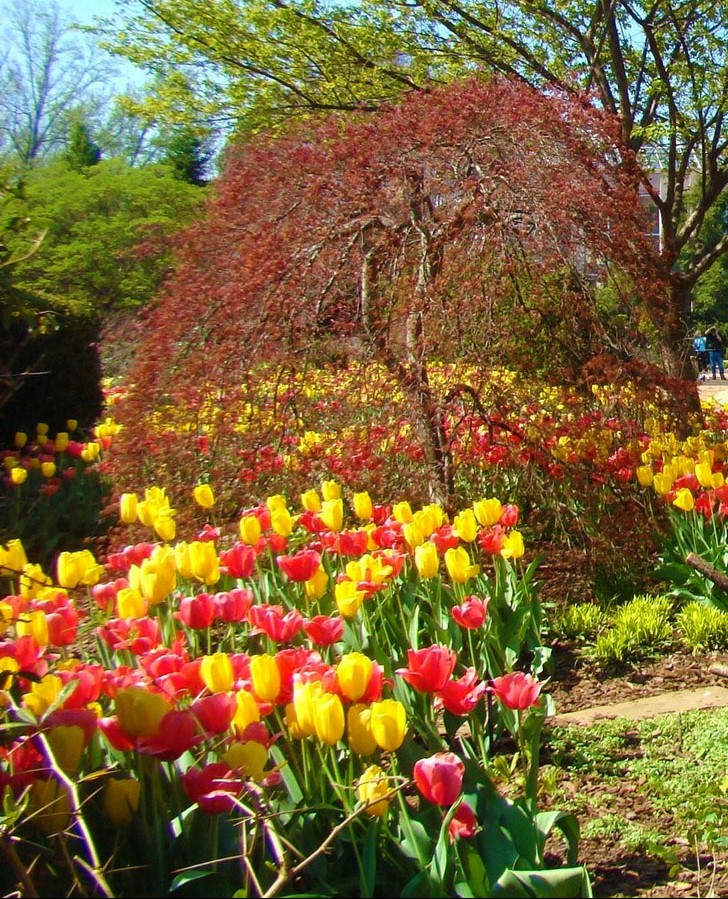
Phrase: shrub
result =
(639, 629)
(703, 627)
(585, 619)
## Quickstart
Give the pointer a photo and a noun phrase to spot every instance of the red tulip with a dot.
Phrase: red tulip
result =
(464, 823)
(429, 669)
(491, 539)
(300, 567)
(324, 629)
(214, 788)
(471, 613)
(215, 712)
(440, 777)
(178, 732)
(509, 516)
(197, 612)
(234, 605)
(238, 561)
(516, 690)
(271, 620)
(462, 695)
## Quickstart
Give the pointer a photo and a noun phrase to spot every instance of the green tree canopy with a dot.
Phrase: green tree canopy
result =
(96, 221)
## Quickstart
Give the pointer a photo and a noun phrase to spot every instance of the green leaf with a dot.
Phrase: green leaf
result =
(567, 823)
(369, 861)
(560, 883)
(188, 877)
(474, 869)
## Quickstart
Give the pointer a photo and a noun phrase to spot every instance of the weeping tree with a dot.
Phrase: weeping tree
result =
(481, 222)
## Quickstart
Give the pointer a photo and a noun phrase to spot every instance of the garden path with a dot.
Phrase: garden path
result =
(647, 707)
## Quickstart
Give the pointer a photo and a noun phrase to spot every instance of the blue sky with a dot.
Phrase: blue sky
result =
(85, 10)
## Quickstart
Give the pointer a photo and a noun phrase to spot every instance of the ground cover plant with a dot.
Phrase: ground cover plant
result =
(651, 797)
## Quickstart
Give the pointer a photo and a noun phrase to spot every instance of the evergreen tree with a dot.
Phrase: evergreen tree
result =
(81, 152)
(188, 155)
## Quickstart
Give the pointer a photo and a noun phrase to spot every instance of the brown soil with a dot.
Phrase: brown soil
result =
(615, 872)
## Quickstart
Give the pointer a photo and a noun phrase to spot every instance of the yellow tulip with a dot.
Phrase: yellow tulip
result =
(427, 560)
(91, 451)
(348, 598)
(61, 441)
(311, 501)
(246, 711)
(48, 469)
(328, 718)
(413, 532)
(353, 674)
(128, 507)
(276, 502)
(249, 757)
(12, 556)
(32, 580)
(74, 569)
(18, 475)
(292, 723)
(372, 790)
(662, 482)
(20, 439)
(458, 564)
(488, 511)
(182, 559)
(684, 500)
(216, 672)
(332, 514)
(282, 522)
(66, 743)
(645, 475)
(33, 624)
(363, 507)
(204, 561)
(315, 587)
(121, 800)
(466, 525)
(43, 694)
(204, 496)
(250, 529)
(330, 490)
(156, 577)
(164, 525)
(388, 724)
(41, 428)
(130, 603)
(265, 676)
(431, 516)
(704, 474)
(402, 512)
(140, 711)
(305, 697)
(513, 547)
(49, 806)
(359, 729)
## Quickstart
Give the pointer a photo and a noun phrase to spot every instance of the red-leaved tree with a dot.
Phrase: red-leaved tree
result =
(481, 222)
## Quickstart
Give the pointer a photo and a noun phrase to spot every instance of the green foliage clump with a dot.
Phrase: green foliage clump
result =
(703, 627)
(586, 619)
(639, 629)
(62, 503)
(63, 376)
